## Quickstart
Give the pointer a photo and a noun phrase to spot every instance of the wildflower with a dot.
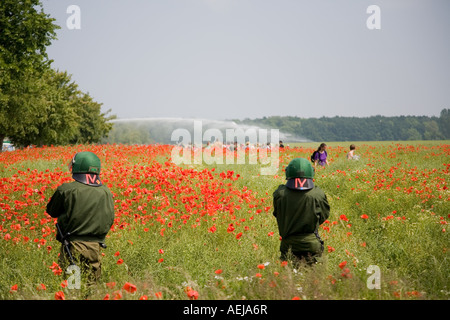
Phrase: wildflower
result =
(111, 285)
(192, 294)
(158, 294)
(56, 269)
(261, 266)
(144, 297)
(296, 298)
(413, 293)
(117, 295)
(364, 216)
(106, 297)
(60, 296)
(131, 288)
(218, 271)
(346, 273)
(116, 254)
(120, 261)
(342, 264)
(13, 288)
(41, 287)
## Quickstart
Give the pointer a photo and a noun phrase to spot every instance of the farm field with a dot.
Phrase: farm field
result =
(206, 231)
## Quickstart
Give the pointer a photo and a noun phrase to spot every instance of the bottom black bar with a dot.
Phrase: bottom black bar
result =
(224, 309)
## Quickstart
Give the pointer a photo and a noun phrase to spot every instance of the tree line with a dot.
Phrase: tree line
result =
(40, 105)
(374, 128)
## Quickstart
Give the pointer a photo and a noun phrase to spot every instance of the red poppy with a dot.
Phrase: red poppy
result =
(41, 287)
(60, 296)
(129, 287)
(117, 295)
(192, 294)
(342, 264)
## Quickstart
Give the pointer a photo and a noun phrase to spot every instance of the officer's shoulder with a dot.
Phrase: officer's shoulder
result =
(67, 186)
(281, 188)
(317, 191)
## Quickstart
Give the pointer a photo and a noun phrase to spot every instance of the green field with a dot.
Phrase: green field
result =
(210, 228)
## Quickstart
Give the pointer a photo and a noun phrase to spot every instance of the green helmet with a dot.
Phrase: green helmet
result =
(299, 168)
(86, 168)
(299, 174)
(86, 162)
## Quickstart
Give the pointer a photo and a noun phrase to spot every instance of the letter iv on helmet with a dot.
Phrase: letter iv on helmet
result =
(299, 174)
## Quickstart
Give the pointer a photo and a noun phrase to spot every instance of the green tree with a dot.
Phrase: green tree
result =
(51, 117)
(432, 130)
(26, 31)
(444, 123)
(93, 124)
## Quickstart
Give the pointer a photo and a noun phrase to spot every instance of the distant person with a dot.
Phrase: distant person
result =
(281, 144)
(319, 157)
(85, 210)
(300, 208)
(351, 154)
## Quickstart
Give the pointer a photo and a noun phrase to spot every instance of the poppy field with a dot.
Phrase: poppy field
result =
(206, 231)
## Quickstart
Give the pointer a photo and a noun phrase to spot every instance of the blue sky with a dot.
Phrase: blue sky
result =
(236, 59)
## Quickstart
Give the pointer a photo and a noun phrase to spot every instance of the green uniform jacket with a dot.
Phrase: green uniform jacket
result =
(87, 212)
(299, 214)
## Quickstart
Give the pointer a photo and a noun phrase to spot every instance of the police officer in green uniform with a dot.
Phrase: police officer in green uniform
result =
(300, 207)
(85, 210)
